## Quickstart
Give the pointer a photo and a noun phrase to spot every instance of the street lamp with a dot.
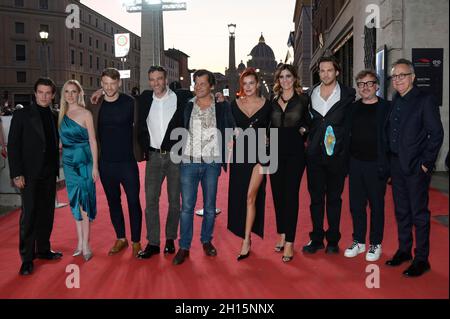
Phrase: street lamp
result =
(231, 29)
(44, 51)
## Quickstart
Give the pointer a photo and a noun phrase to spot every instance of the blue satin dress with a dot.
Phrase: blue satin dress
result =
(77, 165)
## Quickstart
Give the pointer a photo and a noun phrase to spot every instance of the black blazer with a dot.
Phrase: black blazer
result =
(224, 120)
(382, 147)
(27, 144)
(145, 103)
(421, 132)
(338, 118)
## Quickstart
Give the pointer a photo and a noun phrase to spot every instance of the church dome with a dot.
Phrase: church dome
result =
(262, 50)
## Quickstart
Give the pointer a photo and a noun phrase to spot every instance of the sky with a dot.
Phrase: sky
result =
(202, 30)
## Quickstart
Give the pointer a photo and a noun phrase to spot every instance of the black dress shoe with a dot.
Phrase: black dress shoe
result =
(209, 249)
(50, 255)
(332, 249)
(312, 247)
(26, 268)
(170, 246)
(180, 257)
(148, 252)
(417, 268)
(399, 258)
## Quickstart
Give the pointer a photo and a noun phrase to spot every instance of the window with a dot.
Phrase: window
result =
(106, 63)
(81, 58)
(112, 30)
(90, 18)
(105, 47)
(90, 61)
(44, 27)
(18, 3)
(104, 26)
(43, 4)
(21, 77)
(91, 82)
(98, 82)
(81, 37)
(20, 27)
(20, 52)
(81, 80)
(96, 22)
(72, 57)
(96, 44)
(90, 41)
(73, 76)
(98, 63)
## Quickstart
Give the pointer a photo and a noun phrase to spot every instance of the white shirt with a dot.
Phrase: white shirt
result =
(322, 106)
(161, 112)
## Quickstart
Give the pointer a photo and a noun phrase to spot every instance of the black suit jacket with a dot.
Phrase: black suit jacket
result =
(338, 118)
(421, 132)
(27, 144)
(145, 103)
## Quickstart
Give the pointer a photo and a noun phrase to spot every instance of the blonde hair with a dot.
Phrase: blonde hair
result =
(63, 105)
(277, 89)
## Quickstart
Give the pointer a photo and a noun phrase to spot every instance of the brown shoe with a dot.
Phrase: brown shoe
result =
(181, 255)
(136, 248)
(118, 246)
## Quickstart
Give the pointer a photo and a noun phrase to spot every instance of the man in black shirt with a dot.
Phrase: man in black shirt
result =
(368, 166)
(414, 135)
(115, 116)
(33, 147)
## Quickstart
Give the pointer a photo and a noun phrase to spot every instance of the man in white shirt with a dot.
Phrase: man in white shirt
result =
(156, 112)
(327, 155)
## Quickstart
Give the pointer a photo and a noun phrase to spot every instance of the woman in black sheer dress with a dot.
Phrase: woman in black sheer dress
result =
(246, 197)
(290, 116)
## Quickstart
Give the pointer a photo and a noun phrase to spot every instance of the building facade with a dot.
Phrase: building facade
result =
(69, 53)
(184, 75)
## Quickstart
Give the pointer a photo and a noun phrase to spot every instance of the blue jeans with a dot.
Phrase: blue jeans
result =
(191, 175)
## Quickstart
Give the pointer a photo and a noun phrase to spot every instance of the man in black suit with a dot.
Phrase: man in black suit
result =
(414, 135)
(156, 122)
(327, 154)
(33, 146)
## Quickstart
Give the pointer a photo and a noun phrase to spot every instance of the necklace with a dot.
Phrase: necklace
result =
(285, 101)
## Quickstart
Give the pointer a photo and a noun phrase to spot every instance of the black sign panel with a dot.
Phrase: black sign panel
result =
(429, 66)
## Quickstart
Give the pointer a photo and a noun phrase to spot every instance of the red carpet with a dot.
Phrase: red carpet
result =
(262, 275)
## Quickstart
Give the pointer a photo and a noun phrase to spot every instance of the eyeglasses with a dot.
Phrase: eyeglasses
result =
(369, 84)
(401, 76)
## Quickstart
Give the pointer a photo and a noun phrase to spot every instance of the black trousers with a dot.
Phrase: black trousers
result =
(366, 186)
(36, 219)
(126, 174)
(325, 184)
(410, 194)
(285, 183)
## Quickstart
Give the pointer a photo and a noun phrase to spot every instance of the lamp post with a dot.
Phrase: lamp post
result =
(232, 73)
(43, 35)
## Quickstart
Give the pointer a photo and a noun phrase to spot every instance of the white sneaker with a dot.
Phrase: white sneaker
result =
(200, 212)
(355, 249)
(374, 253)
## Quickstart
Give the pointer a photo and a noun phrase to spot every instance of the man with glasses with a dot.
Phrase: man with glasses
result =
(368, 166)
(414, 136)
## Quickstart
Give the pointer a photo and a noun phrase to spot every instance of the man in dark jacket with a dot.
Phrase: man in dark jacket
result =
(414, 135)
(33, 146)
(327, 154)
(203, 153)
(368, 166)
(156, 122)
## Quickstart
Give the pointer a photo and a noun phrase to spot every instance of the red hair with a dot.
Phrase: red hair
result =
(247, 72)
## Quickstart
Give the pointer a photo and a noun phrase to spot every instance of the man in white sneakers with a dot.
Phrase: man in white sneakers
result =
(368, 166)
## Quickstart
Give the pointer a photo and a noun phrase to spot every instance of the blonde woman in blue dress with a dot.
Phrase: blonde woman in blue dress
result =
(80, 161)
